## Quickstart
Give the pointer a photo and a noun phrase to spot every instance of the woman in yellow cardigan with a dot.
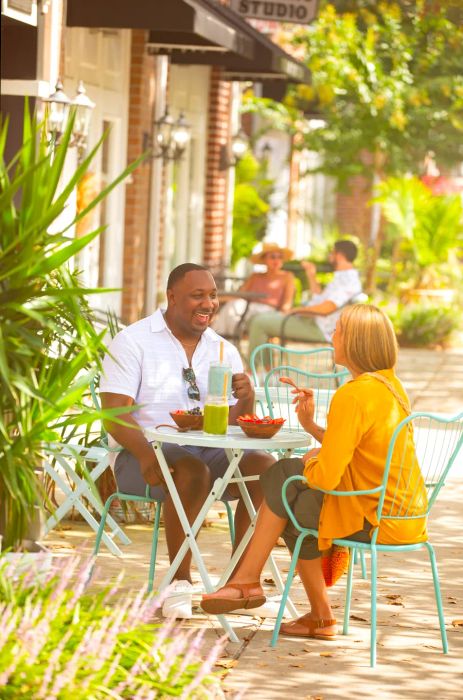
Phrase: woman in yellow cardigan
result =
(362, 417)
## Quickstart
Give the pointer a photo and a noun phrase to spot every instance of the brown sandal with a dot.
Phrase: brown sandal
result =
(305, 626)
(218, 606)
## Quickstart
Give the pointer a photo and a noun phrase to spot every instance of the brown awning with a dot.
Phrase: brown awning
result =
(176, 23)
(195, 32)
(267, 62)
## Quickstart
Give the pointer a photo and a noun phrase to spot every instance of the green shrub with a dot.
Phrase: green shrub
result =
(251, 206)
(57, 642)
(425, 325)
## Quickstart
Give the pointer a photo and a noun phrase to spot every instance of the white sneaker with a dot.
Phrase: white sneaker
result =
(178, 600)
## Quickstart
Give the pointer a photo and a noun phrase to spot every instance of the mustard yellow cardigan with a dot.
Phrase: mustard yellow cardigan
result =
(361, 420)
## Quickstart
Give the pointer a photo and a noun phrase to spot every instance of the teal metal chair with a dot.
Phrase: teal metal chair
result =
(126, 497)
(279, 400)
(269, 355)
(438, 441)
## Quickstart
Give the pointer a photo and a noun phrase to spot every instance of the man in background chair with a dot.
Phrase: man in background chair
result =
(315, 321)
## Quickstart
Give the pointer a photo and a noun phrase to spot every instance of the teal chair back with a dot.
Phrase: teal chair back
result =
(411, 483)
(269, 355)
(279, 396)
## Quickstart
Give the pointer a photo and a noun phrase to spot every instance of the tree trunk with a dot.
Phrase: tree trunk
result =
(375, 241)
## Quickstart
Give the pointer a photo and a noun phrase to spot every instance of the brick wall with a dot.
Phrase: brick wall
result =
(216, 191)
(141, 98)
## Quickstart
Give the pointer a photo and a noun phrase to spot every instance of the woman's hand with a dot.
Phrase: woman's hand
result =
(305, 407)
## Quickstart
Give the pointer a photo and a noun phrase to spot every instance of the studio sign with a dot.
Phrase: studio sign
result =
(298, 11)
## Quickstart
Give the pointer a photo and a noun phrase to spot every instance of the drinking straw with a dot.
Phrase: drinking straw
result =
(225, 384)
(221, 352)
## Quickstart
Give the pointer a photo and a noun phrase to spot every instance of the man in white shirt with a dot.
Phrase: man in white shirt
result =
(161, 363)
(316, 321)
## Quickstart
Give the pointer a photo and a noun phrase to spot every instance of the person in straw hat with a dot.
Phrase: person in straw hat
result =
(315, 321)
(275, 284)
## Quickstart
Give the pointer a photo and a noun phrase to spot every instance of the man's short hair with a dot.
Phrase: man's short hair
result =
(346, 248)
(180, 271)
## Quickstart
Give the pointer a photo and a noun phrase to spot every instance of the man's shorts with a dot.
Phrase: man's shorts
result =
(130, 480)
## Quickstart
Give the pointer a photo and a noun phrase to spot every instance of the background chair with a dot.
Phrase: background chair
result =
(270, 355)
(65, 464)
(438, 441)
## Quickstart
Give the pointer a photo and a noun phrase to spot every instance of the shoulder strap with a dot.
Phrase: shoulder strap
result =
(393, 391)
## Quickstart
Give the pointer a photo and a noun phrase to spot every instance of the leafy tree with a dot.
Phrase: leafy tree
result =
(388, 82)
(251, 206)
(387, 78)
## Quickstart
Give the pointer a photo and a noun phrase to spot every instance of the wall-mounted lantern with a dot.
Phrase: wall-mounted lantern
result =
(238, 147)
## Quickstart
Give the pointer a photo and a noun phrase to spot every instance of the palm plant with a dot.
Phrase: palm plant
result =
(426, 229)
(48, 344)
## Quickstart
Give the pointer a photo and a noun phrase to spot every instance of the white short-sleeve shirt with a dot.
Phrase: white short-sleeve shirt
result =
(344, 285)
(146, 362)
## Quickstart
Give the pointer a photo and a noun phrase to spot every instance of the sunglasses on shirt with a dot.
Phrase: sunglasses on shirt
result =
(188, 374)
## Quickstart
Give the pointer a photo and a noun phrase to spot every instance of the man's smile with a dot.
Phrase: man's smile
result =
(202, 317)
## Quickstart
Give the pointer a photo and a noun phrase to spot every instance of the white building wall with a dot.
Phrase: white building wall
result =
(101, 58)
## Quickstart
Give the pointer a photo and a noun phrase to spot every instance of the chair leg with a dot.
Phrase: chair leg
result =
(437, 593)
(288, 583)
(101, 527)
(154, 545)
(374, 569)
(99, 535)
(350, 574)
(363, 564)
(231, 522)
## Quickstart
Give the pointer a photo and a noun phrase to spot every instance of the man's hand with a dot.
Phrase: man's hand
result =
(297, 310)
(309, 267)
(242, 387)
(151, 471)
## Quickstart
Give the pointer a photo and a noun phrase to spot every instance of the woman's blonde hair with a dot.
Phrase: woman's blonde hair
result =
(368, 338)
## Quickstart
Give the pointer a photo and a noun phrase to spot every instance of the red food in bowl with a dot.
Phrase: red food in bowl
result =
(256, 427)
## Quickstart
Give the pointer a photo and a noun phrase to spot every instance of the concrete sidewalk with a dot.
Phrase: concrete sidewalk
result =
(410, 660)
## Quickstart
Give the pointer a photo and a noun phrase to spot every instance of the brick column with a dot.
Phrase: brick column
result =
(216, 191)
(141, 98)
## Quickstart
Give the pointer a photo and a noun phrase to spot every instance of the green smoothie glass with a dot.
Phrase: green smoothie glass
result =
(215, 415)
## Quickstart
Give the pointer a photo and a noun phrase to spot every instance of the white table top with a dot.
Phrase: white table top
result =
(235, 438)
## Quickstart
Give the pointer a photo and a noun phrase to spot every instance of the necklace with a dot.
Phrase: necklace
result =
(185, 345)
(188, 345)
